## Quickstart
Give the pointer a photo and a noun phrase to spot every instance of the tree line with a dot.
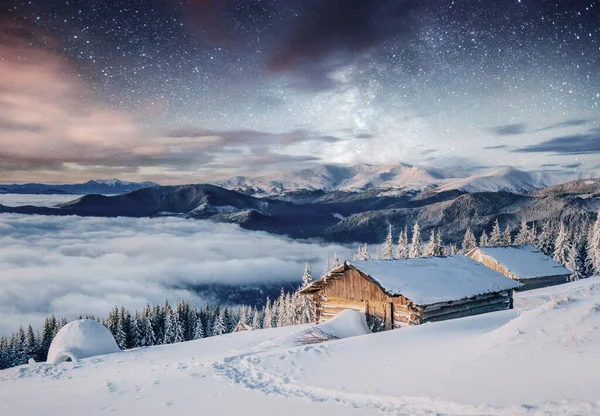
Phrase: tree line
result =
(574, 243)
(164, 324)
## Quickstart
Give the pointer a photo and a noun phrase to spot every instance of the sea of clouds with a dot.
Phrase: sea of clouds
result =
(74, 265)
(15, 200)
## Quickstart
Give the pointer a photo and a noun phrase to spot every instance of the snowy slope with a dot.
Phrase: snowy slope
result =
(539, 360)
(398, 176)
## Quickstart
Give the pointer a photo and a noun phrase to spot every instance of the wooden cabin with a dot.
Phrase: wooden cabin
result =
(240, 327)
(525, 264)
(397, 293)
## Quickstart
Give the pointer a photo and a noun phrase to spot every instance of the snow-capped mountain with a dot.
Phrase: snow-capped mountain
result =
(98, 186)
(334, 177)
(398, 176)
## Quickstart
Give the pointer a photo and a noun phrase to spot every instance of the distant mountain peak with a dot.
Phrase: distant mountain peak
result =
(397, 176)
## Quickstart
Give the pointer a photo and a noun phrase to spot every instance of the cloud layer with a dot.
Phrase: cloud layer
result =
(73, 265)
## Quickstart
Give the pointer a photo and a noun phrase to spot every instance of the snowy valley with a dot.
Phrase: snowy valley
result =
(539, 358)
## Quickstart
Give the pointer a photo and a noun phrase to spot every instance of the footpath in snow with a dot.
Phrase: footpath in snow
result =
(538, 359)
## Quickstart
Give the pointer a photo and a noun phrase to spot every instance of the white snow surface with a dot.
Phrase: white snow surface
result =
(539, 359)
(429, 280)
(526, 262)
(79, 339)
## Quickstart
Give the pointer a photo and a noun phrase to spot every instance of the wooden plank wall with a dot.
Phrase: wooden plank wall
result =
(357, 292)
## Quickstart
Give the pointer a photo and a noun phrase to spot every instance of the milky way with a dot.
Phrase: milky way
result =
(217, 87)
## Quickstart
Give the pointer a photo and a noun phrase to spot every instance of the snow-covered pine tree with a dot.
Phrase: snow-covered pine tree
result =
(561, 245)
(268, 316)
(506, 237)
(415, 244)
(256, 321)
(402, 249)
(523, 236)
(532, 237)
(429, 250)
(545, 239)
(440, 250)
(453, 249)
(198, 329)
(281, 309)
(32, 349)
(469, 241)
(593, 247)
(362, 253)
(483, 240)
(307, 278)
(219, 327)
(148, 337)
(336, 260)
(574, 261)
(496, 235)
(387, 249)
(168, 329)
(178, 335)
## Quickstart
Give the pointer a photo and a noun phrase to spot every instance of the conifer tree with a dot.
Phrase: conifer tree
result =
(440, 250)
(336, 261)
(199, 329)
(561, 245)
(219, 324)
(268, 317)
(307, 278)
(469, 241)
(593, 247)
(506, 237)
(545, 240)
(523, 236)
(387, 249)
(402, 249)
(496, 236)
(483, 240)
(256, 321)
(415, 244)
(453, 250)
(429, 250)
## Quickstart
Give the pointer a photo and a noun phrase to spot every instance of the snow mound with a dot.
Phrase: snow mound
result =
(81, 339)
(346, 324)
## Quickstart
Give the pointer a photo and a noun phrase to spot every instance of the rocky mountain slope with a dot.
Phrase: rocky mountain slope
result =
(342, 216)
(99, 186)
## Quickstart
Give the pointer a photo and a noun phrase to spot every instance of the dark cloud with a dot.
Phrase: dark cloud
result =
(428, 151)
(572, 165)
(509, 129)
(550, 165)
(339, 29)
(500, 146)
(568, 123)
(576, 144)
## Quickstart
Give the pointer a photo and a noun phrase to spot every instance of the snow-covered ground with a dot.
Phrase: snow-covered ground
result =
(542, 358)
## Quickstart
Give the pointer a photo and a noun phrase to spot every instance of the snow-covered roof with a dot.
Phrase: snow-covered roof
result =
(81, 339)
(525, 262)
(429, 280)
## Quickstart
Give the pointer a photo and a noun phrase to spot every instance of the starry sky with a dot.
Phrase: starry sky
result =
(182, 91)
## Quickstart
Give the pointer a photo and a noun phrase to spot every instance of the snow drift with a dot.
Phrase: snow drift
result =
(81, 339)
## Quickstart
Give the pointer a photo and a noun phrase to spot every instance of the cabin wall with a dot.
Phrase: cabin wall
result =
(355, 291)
(491, 302)
(530, 284)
